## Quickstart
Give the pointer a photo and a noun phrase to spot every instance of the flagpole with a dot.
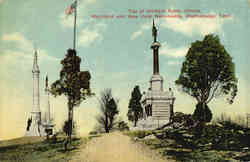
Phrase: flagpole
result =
(74, 41)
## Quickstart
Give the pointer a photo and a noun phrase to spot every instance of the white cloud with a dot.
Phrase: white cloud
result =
(25, 49)
(87, 37)
(173, 52)
(68, 21)
(91, 34)
(174, 63)
(19, 39)
(141, 30)
(195, 26)
(136, 34)
(90, 1)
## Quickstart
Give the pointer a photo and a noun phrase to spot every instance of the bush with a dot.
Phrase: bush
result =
(123, 126)
(202, 114)
(139, 133)
(231, 125)
(186, 119)
(93, 133)
(238, 121)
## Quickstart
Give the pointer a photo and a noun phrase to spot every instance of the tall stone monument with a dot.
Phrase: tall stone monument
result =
(34, 122)
(47, 123)
(157, 104)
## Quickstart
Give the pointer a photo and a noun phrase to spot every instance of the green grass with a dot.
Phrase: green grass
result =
(138, 133)
(94, 136)
(173, 148)
(38, 149)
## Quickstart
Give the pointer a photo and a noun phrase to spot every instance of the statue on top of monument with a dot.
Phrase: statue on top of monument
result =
(154, 31)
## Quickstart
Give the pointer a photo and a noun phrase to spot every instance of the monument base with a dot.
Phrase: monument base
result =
(35, 130)
(149, 124)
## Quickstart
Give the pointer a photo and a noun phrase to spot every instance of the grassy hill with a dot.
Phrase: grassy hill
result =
(37, 149)
(223, 141)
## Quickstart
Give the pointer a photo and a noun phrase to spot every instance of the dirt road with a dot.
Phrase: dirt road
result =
(115, 147)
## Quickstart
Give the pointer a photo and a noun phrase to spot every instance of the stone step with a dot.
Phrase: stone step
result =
(166, 118)
(156, 116)
(160, 111)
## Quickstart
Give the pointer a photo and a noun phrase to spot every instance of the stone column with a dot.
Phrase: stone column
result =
(156, 59)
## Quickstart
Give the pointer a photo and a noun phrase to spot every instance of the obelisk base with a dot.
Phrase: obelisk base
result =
(34, 127)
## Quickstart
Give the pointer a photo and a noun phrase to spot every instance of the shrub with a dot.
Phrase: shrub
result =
(139, 133)
(186, 119)
(202, 114)
(123, 126)
(93, 133)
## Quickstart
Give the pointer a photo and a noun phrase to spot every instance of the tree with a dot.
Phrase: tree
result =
(66, 127)
(73, 83)
(208, 72)
(135, 110)
(109, 110)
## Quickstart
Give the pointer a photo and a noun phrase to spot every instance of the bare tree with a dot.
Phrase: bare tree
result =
(109, 110)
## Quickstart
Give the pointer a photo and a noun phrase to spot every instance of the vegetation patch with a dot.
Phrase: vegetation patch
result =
(224, 140)
(40, 150)
(138, 133)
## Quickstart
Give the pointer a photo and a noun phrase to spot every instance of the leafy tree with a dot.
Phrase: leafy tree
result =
(109, 110)
(135, 109)
(73, 83)
(208, 72)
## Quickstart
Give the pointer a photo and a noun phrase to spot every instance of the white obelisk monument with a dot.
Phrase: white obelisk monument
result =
(34, 122)
(47, 113)
(47, 124)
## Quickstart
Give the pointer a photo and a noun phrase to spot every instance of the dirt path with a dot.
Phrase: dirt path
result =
(115, 147)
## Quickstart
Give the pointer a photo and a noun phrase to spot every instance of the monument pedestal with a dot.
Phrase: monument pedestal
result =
(34, 126)
(157, 105)
(149, 124)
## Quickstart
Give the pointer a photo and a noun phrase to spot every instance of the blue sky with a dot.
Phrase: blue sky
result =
(115, 51)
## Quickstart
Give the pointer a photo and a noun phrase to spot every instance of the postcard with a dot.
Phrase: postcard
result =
(124, 81)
